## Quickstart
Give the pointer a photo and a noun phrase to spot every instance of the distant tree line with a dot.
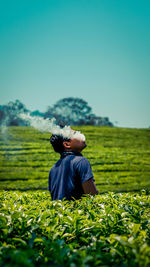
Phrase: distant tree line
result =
(66, 111)
(9, 114)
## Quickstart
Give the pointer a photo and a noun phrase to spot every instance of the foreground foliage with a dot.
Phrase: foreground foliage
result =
(105, 230)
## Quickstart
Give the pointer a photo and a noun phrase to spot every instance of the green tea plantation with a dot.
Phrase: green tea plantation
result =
(109, 229)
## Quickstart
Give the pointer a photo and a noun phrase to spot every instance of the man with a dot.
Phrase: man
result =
(71, 176)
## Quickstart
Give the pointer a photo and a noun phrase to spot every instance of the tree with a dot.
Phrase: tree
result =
(10, 113)
(74, 111)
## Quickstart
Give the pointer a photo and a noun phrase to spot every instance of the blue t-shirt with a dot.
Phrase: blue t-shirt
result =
(67, 175)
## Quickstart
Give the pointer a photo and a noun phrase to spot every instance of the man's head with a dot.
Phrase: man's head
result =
(61, 144)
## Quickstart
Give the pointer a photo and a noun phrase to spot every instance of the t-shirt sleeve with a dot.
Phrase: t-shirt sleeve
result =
(83, 169)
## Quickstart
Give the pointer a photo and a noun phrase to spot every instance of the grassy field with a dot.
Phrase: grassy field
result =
(109, 229)
(120, 158)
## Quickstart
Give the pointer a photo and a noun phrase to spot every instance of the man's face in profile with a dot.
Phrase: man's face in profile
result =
(74, 145)
(77, 145)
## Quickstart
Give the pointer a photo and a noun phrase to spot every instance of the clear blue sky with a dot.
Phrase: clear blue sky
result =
(98, 50)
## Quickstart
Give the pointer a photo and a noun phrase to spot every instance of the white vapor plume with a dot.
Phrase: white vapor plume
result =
(47, 125)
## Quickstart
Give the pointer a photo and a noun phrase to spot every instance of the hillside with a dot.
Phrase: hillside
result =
(120, 158)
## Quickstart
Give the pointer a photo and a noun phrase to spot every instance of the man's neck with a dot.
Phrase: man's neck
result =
(67, 153)
(76, 151)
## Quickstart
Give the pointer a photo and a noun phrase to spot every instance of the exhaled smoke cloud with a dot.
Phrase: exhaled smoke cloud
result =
(4, 129)
(47, 125)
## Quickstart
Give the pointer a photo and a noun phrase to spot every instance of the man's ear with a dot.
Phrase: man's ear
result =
(66, 144)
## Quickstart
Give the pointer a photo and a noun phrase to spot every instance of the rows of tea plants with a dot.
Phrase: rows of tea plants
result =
(112, 229)
(120, 158)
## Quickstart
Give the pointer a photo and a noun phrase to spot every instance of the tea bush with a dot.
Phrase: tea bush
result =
(112, 229)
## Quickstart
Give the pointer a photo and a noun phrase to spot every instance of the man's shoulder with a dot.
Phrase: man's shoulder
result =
(80, 160)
